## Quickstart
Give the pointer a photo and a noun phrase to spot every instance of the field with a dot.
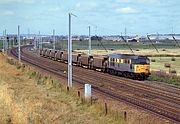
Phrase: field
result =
(147, 52)
(28, 97)
(112, 45)
(160, 62)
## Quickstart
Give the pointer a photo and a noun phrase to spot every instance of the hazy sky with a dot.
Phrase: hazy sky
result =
(110, 16)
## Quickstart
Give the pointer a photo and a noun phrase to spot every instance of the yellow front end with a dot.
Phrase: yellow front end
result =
(142, 69)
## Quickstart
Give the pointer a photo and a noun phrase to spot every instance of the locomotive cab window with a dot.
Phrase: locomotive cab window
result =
(142, 61)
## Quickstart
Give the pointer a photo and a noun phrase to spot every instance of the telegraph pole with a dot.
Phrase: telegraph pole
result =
(19, 44)
(89, 40)
(54, 40)
(70, 54)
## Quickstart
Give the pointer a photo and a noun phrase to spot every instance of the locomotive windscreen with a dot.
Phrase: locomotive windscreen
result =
(142, 61)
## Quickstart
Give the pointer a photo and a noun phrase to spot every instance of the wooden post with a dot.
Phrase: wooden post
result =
(105, 105)
(67, 89)
(91, 100)
(79, 94)
(125, 115)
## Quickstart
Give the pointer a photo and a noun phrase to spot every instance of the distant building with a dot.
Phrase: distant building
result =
(132, 40)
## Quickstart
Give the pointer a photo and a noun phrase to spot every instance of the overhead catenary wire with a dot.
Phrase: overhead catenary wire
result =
(95, 26)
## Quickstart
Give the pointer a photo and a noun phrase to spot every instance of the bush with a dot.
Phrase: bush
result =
(164, 50)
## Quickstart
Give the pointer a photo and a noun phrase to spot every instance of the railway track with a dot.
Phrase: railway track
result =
(161, 101)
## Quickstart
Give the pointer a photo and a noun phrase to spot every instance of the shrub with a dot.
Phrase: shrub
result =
(164, 50)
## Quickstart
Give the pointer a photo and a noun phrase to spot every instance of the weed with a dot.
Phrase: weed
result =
(164, 77)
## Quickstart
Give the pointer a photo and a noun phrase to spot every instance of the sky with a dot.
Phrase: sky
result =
(106, 17)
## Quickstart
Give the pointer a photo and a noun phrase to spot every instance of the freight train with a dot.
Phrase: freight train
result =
(131, 66)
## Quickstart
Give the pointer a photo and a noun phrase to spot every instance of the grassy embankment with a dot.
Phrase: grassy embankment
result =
(26, 96)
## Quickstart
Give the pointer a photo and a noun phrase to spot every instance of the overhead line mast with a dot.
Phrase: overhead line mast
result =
(70, 53)
(152, 43)
(127, 44)
(19, 45)
(54, 40)
(175, 40)
(89, 40)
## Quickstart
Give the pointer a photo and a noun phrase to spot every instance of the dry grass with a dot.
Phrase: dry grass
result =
(29, 97)
(160, 62)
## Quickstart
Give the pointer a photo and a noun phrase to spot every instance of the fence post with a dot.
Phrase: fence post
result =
(79, 94)
(125, 115)
(105, 105)
(67, 90)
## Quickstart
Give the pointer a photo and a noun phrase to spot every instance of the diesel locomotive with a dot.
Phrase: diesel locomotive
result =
(128, 65)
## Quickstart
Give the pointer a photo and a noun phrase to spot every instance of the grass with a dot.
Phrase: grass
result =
(83, 45)
(164, 77)
(147, 52)
(27, 96)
